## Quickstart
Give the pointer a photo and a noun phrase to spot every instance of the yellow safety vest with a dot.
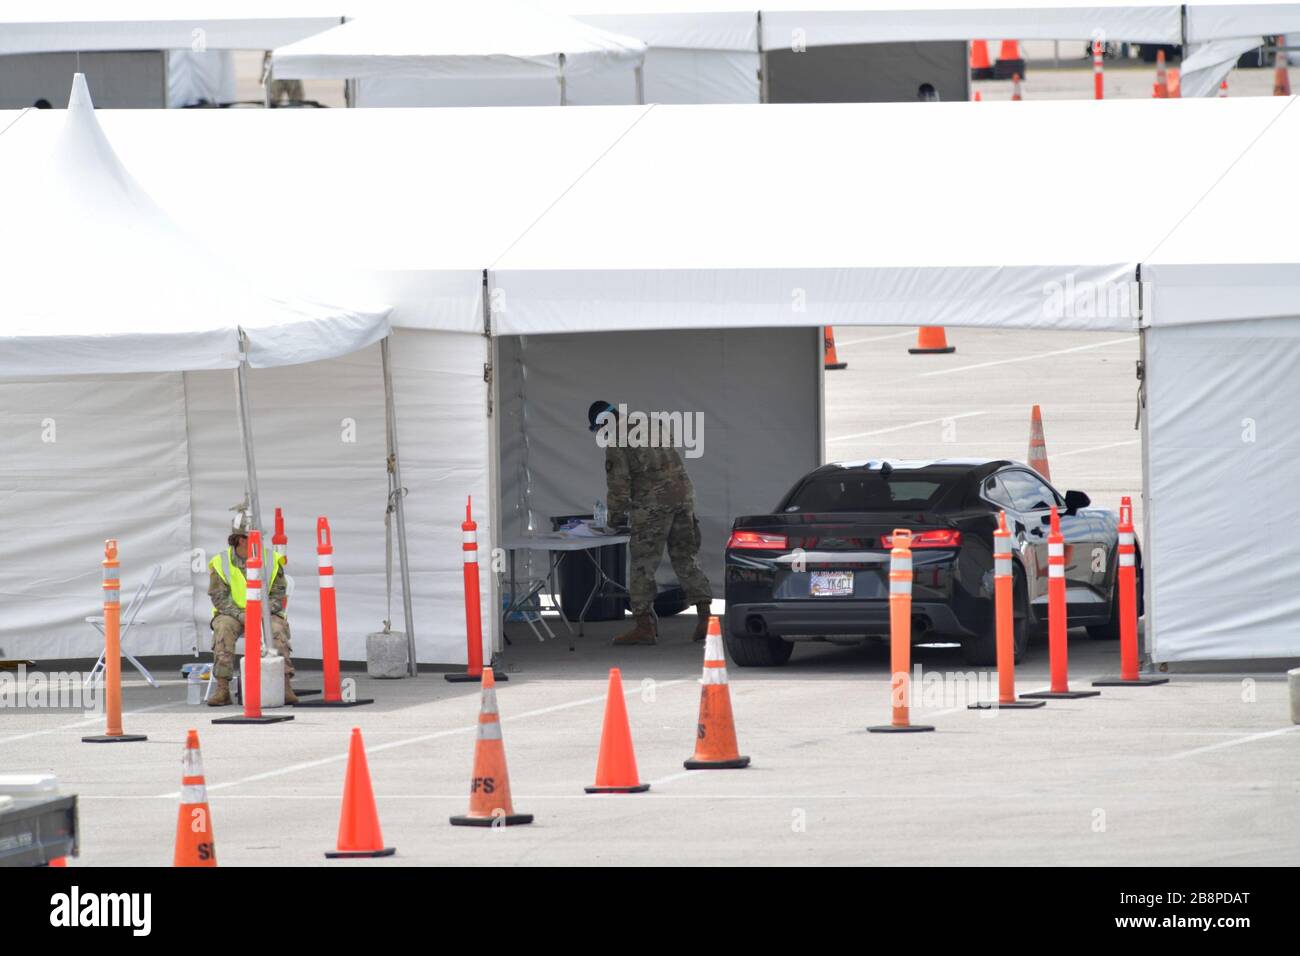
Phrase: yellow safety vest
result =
(233, 575)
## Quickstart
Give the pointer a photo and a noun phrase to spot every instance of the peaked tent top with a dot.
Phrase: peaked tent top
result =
(98, 279)
(488, 39)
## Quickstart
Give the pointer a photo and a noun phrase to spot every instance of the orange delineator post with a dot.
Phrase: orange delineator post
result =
(473, 614)
(1161, 89)
(1057, 620)
(490, 803)
(715, 732)
(359, 832)
(900, 636)
(1126, 581)
(1281, 75)
(1004, 619)
(195, 845)
(329, 625)
(112, 588)
(1015, 88)
(1098, 72)
(252, 689)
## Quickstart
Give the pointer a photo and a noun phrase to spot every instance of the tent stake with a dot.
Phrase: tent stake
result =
(398, 492)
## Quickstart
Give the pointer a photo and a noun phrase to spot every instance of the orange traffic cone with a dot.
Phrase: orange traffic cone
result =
(1037, 445)
(831, 360)
(1281, 75)
(930, 340)
(715, 737)
(1223, 89)
(194, 842)
(1010, 62)
(359, 833)
(1175, 84)
(1161, 89)
(1015, 88)
(979, 98)
(980, 67)
(616, 765)
(489, 789)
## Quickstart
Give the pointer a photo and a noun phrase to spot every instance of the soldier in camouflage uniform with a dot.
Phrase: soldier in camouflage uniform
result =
(228, 617)
(650, 492)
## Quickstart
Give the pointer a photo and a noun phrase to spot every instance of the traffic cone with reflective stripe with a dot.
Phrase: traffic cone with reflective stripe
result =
(1004, 622)
(616, 764)
(1015, 88)
(489, 789)
(1126, 583)
(900, 637)
(359, 833)
(1281, 75)
(1057, 626)
(195, 845)
(1038, 445)
(1161, 89)
(830, 360)
(930, 340)
(715, 734)
(980, 67)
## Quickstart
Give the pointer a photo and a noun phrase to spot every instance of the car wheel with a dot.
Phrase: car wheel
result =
(1110, 630)
(983, 649)
(757, 651)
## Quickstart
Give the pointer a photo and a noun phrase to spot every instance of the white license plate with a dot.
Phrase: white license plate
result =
(830, 584)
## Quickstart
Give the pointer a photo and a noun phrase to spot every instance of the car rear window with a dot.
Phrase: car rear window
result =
(868, 492)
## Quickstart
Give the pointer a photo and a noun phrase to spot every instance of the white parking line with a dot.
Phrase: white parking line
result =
(1028, 358)
(81, 724)
(899, 428)
(1249, 738)
(422, 738)
(877, 338)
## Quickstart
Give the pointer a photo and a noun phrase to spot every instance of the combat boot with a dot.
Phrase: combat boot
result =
(221, 697)
(643, 632)
(289, 696)
(702, 625)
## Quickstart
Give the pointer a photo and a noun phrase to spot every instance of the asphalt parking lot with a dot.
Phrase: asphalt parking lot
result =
(1199, 771)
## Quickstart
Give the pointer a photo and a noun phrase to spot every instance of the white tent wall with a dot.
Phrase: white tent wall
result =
(1223, 450)
(755, 441)
(320, 439)
(84, 459)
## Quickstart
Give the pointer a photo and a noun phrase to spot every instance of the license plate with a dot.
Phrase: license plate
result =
(830, 584)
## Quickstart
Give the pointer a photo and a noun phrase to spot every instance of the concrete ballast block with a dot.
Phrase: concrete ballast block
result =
(386, 656)
(272, 680)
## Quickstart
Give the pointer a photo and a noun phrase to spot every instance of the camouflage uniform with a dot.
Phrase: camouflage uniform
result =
(650, 491)
(228, 624)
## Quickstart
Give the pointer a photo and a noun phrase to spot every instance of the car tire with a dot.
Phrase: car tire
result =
(755, 651)
(1110, 630)
(982, 650)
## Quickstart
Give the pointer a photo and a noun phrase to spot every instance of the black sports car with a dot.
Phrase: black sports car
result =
(818, 568)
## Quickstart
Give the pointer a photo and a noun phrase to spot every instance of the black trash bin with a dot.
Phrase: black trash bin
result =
(576, 576)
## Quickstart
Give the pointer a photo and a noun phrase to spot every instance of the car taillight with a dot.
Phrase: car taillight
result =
(938, 538)
(756, 539)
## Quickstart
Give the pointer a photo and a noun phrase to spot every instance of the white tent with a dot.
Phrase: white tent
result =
(671, 233)
(494, 52)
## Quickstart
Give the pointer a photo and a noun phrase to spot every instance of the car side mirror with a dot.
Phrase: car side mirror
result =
(1074, 500)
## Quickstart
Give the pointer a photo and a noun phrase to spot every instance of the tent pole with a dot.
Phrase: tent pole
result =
(250, 465)
(398, 492)
(640, 85)
(564, 90)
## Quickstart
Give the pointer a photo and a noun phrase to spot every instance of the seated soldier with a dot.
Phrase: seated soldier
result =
(227, 590)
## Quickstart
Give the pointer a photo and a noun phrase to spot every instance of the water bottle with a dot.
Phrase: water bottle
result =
(194, 688)
(601, 514)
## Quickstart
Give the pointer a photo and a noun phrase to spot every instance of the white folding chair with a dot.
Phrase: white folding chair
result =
(128, 618)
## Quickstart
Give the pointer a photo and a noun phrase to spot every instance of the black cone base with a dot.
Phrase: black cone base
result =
(891, 729)
(306, 691)
(635, 788)
(735, 764)
(334, 703)
(461, 677)
(358, 854)
(119, 739)
(1018, 704)
(832, 366)
(1005, 69)
(264, 719)
(981, 73)
(1121, 682)
(1061, 694)
(942, 351)
(505, 820)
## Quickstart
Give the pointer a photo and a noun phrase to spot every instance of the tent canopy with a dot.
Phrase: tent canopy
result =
(100, 280)
(489, 39)
(28, 26)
